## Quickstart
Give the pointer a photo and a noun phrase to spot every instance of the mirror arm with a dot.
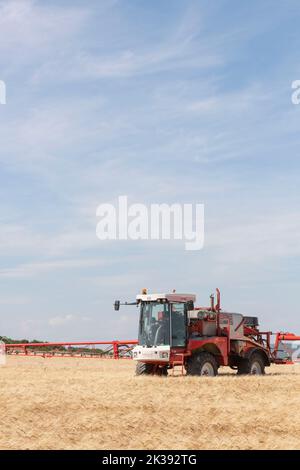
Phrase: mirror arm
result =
(118, 303)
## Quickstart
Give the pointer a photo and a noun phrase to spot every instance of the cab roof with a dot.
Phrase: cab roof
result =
(173, 297)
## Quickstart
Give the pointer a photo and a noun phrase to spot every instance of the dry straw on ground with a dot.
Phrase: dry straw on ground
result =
(89, 403)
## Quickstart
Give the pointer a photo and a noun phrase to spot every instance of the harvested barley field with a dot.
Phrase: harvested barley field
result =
(69, 403)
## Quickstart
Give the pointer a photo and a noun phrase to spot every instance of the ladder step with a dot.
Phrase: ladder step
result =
(178, 362)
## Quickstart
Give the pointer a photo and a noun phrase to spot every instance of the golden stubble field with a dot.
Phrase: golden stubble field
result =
(69, 403)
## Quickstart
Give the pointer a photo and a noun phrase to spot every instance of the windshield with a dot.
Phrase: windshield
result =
(155, 324)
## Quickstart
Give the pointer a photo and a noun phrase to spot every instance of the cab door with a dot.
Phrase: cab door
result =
(178, 325)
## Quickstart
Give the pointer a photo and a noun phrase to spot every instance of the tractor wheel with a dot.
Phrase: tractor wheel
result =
(163, 371)
(202, 363)
(143, 368)
(255, 365)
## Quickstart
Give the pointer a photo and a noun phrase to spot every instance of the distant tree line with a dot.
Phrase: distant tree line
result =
(7, 340)
(68, 349)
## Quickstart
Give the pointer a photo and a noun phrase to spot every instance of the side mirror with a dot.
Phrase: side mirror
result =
(190, 305)
(117, 305)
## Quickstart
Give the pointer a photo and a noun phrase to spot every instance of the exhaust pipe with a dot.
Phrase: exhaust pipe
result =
(218, 306)
(212, 302)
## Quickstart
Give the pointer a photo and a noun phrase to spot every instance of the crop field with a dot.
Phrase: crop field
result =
(69, 403)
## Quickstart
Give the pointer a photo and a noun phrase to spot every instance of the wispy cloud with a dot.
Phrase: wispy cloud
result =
(259, 240)
(33, 269)
(177, 48)
(5, 301)
(60, 320)
(30, 30)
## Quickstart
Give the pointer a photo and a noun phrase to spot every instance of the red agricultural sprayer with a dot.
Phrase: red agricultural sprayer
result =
(201, 339)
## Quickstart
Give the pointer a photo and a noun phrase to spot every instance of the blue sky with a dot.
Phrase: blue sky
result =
(182, 101)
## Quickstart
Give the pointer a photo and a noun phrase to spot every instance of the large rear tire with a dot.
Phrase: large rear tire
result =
(143, 368)
(203, 363)
(255, 365)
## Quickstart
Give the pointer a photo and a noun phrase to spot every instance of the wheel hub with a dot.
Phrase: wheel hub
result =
(256, 368)
(207, 370)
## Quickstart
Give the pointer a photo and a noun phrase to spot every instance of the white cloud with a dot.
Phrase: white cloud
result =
(129, 63)
(33, 269)
(26, 240)
(5, 300)
(60, 320)
(176, 48)
(29, 28)
(19, 240)
(258, 240)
